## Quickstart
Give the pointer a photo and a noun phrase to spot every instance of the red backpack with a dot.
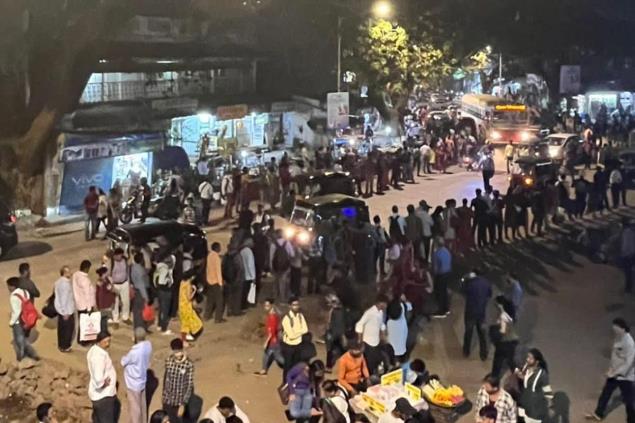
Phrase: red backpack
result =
(29, 314)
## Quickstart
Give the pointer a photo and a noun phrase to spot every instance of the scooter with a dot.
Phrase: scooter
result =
(131, 208)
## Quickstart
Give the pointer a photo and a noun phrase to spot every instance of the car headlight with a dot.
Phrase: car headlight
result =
(289, 232)
(529, 181)
(524, 136)
(303, 237)
(496, 135)
(553, 152)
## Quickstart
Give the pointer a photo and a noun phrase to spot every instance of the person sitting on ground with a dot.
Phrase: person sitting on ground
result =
(352, 371)
(45, 413)
(488, 414)
(221, 412)
(334, 404)
(159, 416)
(415, 372)
(402, 412)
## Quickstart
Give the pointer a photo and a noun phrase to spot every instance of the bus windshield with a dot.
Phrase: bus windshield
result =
(507, 117)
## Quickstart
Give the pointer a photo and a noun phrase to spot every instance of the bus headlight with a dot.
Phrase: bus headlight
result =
(289, 232)
(496, 135)
(303, 237)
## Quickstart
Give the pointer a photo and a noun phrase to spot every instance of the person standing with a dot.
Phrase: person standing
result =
(227, 194)
(481, 218)
(515, 292)
(426, 226)
(214, 292)
(369, 329)
(141, 283)
(248, 268)
(102, 388)
(294, 327)
(27, 283)
(505, 337)
(335, 337)
(119, 276)
(487, 169)
(190, 324)
(91, 207)
(135, 369)
(627, 253)
(491, 393)
(281, 253)
(178, 382)
(206, 191)
(509, 155)
(536, 392)
(380, 237)
(65, 307)
(146, 195)
(397, 225)
(295, 270)
(478, 291)
(84, 291)
(441, 271)
(18, 299)
(414, 229)
(616, 182)
(621, 373)
(397, 326)
(163, 281)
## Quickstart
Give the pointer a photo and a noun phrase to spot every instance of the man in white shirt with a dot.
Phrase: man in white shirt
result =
(102, 388)
(369, 329)
(65, 307)
(206, 191)
(21, 342)
(224, 409)
(248, 269)
(135, 369)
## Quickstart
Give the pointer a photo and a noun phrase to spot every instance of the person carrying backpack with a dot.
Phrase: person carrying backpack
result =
(281, 253)
(23, 318)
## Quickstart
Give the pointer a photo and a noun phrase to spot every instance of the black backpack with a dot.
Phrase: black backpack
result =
(281, 261)
(394, 229)
(229, 268)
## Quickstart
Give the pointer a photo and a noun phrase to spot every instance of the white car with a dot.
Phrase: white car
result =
(565, 148)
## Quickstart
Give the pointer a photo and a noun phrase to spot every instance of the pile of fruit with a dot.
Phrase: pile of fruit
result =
(442, 396)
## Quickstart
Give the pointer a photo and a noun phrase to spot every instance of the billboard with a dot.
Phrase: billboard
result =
(570, 79)
(337, 110)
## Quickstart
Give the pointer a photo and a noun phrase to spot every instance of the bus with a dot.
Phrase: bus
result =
(496, 120)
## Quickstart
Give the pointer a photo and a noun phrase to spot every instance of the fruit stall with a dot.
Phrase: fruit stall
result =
(380, 399)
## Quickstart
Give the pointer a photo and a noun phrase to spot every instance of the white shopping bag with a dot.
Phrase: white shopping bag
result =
(89, 326)
(251, 296)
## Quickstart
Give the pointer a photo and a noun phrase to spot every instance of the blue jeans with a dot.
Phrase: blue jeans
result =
(300, 406)
(90, 226)
(272, 353)
(21, 344)
(165, 301)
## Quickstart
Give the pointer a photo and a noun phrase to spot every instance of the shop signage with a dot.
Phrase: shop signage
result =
(337, 110)
(392, 378)
(175, 104)
(78, 176)
(374, 405)
(282, 106)
(570, 79)
(237, 111)
(413, 392)
(89, 147)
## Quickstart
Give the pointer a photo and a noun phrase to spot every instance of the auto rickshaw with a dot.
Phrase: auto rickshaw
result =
(531, 171)
(167, 235)
(330, 182)
(308, 215)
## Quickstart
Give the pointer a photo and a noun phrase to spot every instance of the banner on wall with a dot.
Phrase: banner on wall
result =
(90, 147)
(337, 110)
(570, 81)
(80, 175)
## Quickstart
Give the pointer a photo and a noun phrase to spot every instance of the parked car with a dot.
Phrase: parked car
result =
(565, 149)
(8, 232)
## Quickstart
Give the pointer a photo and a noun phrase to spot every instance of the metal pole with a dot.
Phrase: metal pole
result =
(500, 73)
(339, 53)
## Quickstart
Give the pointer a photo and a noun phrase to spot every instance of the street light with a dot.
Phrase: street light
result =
(382, 9)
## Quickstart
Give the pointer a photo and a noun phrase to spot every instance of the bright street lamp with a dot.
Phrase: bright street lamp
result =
(382, 9)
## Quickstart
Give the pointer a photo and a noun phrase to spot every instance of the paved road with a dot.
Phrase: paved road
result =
(567, 312)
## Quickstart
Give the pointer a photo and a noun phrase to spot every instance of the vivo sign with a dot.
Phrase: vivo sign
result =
(86, 180)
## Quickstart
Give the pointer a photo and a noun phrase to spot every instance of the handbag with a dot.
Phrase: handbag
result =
(49, 307)
(89, 326)
(251, 296)
(283, 393)
(148, 313)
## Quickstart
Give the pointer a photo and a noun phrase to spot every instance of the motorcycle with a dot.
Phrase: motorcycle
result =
(131, 208)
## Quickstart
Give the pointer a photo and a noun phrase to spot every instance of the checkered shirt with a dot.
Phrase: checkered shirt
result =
(505, 406)
(178, 383)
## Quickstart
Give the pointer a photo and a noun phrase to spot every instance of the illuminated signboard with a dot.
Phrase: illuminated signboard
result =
(511, 107)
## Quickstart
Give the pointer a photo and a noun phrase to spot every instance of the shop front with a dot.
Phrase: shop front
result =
(101, 160)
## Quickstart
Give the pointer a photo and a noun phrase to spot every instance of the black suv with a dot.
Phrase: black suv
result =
(8, 232)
